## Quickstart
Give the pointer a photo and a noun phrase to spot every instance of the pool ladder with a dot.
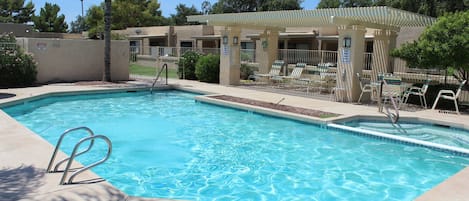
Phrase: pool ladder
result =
(74, 154)
(164, 67)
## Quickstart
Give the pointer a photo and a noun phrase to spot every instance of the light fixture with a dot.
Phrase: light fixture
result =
(265, 44)
(225, 40)
(235, 40)
(347, 42)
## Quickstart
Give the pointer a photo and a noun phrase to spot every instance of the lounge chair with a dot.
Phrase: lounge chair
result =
(274, 71)
(295, 74)
(417, 91)
(450, 95)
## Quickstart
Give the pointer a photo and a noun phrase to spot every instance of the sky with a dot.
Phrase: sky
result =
(72, 8)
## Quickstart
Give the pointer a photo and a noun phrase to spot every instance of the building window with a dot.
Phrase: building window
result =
(248, 45)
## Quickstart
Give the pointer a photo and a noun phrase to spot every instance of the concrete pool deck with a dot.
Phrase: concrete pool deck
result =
(24, 155)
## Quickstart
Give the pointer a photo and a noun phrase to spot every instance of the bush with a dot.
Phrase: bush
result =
(246, 70)
(16, 67)
(186, 66)
(208, 68)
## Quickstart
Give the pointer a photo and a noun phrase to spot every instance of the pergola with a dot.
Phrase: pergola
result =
(351, 23)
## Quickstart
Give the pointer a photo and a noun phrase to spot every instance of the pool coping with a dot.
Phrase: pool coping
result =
(105, 185)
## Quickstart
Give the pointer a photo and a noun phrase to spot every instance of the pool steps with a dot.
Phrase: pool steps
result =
(431, 145)
(74, 154)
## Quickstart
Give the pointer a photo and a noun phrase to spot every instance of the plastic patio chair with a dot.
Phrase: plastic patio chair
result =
(295, 74)
(366, 88)
(417, 91)
(450, 95)
(274, 70)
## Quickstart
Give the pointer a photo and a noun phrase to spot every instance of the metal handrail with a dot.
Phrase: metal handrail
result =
(59, 142)
(394, 117)
(92, 138)
(164, 67)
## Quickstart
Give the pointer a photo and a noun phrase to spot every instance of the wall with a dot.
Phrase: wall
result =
(406, 34)
(61, 60)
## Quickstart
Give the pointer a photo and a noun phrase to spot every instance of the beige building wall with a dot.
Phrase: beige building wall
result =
(406, 34)
(61, 60)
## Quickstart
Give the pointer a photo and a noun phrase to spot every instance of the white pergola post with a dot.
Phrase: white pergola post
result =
(384, 41)
(230, 62)
(350, 61)
(267, 50)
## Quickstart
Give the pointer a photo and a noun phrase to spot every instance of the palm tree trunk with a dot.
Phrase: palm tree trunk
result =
(107, 41)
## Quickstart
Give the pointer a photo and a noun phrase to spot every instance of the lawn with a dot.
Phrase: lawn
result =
(136, 69)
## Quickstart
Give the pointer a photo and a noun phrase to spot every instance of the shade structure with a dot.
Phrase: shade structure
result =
(371, 17)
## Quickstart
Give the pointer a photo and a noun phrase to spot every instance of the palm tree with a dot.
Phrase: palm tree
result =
(107, 41)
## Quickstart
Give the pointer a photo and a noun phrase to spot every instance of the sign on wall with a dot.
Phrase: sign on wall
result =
(346, 52)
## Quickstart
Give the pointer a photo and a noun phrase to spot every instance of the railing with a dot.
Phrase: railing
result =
(393, 117)
(59, 142)
(368, 60)
(164, 67)
(91, 138)
(310, 57)
(74, 154)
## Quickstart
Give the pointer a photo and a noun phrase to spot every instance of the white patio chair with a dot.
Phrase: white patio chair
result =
(417, 91)
(295, 74)
(274, 70)
(366, 88)
(450, 95)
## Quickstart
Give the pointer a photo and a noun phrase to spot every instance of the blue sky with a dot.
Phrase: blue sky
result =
(72, 8)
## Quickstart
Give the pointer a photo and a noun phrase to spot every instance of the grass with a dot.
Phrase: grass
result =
(136, 69)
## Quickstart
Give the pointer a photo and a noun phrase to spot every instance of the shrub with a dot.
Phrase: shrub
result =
(186, 65)
(208, 68)
(16, 67)
(246, 70)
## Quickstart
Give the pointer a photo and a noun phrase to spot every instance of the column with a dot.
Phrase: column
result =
(350, 61)
(146, 46)
(267, 50)
(230, 62)
(384, 41)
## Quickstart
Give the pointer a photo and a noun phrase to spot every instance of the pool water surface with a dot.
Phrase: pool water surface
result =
(167, 145)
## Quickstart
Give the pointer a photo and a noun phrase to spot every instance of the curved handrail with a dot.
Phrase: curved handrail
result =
(57, 146)
(109, 150)
(393, 117)
(164, 67)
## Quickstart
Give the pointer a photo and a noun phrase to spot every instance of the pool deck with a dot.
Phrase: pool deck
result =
(24, 155)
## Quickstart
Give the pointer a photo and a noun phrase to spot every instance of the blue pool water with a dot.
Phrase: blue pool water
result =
(167, 145)
(417, 130)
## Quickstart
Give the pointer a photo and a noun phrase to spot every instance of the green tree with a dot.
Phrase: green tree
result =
(136, 13)
(95, 22)
(443, 45)
(49, 20)
(273, 5)
(182, 11)
(15, 11)
(344, 3)
(329, 4)
(237, 6)
(78, 25)
(206, 7)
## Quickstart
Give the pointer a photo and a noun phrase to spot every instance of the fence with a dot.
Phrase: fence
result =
(310, 57)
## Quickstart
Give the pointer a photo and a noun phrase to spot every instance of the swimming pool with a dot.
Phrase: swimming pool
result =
(167, 145)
